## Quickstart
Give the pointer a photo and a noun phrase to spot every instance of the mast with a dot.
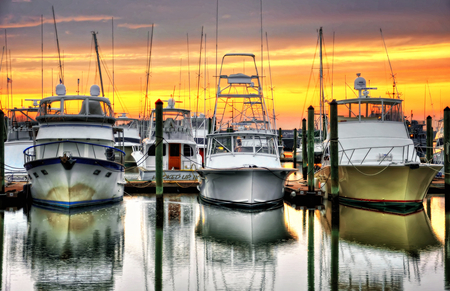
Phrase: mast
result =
(112, 32)
(199, 66)
(42, 56)
(59, 52)
(271, 86)
(321, 83)
(94, 34)
(262, 46)
(147, 106)
(189, 71)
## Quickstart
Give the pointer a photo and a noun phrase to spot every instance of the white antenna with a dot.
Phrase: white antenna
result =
(394, 84)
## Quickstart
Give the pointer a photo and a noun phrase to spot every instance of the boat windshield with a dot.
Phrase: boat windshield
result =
(74, 108)
(370, 109)
(127, 123)
(244, 144)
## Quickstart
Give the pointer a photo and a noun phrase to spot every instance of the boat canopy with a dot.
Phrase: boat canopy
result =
(366, 109)
(75, 108)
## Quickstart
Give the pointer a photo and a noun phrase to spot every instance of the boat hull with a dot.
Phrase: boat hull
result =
(245, 187)
(168, 175)
(380, 184)
(85, 182)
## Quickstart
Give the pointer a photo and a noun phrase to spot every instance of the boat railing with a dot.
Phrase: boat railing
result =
(71, 148)
(369, 155)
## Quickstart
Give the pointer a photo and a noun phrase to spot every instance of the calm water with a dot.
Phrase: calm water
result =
(210, 248)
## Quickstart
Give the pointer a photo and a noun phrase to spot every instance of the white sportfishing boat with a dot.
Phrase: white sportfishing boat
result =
(19, 137)
(242, 164)
(180, 152)
(318, 148)
(130, 138)
(377, 160)
(73, 161)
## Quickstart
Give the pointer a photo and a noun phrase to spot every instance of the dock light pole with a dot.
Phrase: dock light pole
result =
(2, 151)
(334, 151)
(429, 140)
(304, 151)
(310, 148)
(294, 153)
(446, 157)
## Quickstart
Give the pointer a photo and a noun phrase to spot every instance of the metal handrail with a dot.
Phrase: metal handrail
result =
(29, 153)
(369, 149)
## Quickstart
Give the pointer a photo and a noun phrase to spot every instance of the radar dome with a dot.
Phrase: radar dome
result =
(60, 90)
(360, 82)
(95, 90)
(171, 103)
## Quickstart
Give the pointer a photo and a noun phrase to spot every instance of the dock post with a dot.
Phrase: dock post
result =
(310, 148)
(446, 157)
(446, 250)
(2, 151)
(159, 160)
(294, 153)
(429, 140)
(304, 152)
(311, 249)
(334, 151)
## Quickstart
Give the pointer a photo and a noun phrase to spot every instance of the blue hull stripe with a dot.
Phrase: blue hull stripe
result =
(76, 203)
(85, 161)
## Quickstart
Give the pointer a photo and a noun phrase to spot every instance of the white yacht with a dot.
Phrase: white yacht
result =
(73, 161)
(19, 137)
(180, 152)
(377, 159)
(242, 163)
(318, 148)
(130, 138)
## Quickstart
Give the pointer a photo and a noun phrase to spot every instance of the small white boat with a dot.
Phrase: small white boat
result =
(377, 160)
(19, 137)
(130, 137)
(180, 152)
(73, 161)
(318, 150)
(242, 164)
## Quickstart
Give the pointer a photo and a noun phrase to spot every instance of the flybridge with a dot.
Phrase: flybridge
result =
(240, 104)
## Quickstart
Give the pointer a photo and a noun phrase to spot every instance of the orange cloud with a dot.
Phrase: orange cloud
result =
(31, 21)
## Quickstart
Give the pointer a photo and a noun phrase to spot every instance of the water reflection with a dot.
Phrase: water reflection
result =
(378, 249)
(75, 250)
(239, 226)
(242, 247)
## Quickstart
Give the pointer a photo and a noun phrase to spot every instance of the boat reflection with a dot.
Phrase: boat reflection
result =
(77, 249)
(408, 231)
(227, 225)
(377, 248)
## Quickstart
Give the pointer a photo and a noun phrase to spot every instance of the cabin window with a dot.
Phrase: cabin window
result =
(265, 145)
(152, 150)
(221, 145)
(392, 112)
(188, 151)
(73, 107)
(174, 149)
(50, 108)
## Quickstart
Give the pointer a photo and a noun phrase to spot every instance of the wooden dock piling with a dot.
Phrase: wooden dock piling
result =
(311, 148)
(334, 151)
(429, 152)
(446, 157)
(304, 152)
(294, 150)
(2, 151)
(159, 160)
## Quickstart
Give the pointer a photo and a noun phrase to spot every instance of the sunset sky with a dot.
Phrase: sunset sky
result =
(417, 36)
